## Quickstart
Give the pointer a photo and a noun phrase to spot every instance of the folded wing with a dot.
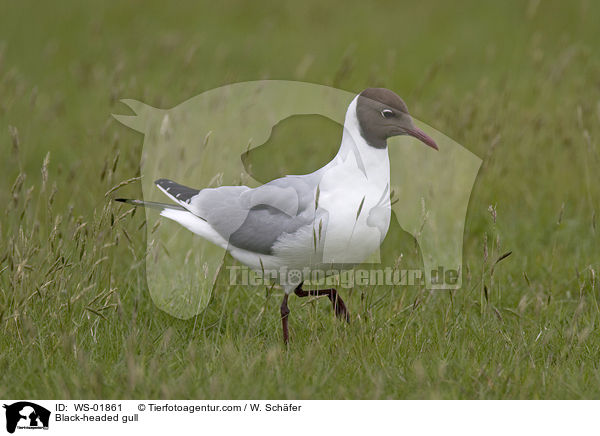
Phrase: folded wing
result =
(252, 219)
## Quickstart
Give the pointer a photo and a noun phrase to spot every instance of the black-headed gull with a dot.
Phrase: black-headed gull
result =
(338, 215)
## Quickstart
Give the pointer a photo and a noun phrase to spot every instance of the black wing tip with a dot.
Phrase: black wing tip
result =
(161, 182)
(177, 192)
(129, 201)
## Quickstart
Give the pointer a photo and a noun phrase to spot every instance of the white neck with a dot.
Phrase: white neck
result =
(354, 150)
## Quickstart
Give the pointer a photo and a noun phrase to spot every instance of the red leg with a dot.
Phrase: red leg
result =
(285, 311)
(338, 304)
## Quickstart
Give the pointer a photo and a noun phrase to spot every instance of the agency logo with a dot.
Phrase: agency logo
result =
(26, 415)
(197, 175)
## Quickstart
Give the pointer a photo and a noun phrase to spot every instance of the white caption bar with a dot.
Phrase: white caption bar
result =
(297, 417)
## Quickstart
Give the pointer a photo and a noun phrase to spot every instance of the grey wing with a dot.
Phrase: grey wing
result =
(254, 219)
(251, 218)
(263, 226)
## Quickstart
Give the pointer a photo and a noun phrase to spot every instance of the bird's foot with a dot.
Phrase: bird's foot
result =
(339, 307)
(338, 304)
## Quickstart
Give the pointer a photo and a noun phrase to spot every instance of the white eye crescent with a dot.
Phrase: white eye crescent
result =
(387, 113)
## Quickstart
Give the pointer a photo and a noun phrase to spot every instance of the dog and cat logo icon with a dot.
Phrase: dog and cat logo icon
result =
(26, 415)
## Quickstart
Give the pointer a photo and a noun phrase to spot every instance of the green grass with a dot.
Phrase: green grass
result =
(515, 82)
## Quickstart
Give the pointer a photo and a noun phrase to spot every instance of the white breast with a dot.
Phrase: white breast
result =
(355, 191)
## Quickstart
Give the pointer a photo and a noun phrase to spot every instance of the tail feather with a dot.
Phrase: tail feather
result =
(151, 204)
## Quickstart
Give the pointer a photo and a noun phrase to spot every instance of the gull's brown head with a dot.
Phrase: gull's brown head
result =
(382, 114)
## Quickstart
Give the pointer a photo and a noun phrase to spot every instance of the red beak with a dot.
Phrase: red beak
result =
(423, 137)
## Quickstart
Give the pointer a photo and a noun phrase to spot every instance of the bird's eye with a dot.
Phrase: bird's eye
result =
(386, 113)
